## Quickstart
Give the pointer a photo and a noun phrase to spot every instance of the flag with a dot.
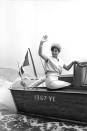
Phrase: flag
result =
(21, 71)
(26, 61)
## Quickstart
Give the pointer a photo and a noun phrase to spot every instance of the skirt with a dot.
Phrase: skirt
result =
(52, 82)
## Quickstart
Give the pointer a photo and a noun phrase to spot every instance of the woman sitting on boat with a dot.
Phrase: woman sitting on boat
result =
(53, 66)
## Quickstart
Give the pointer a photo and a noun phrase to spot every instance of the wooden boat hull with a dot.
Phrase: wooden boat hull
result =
(67, 103)
(61, 104)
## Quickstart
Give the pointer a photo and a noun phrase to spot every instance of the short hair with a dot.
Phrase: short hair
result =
(55, 45)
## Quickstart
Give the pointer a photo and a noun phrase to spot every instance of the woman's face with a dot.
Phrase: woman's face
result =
(55, 52)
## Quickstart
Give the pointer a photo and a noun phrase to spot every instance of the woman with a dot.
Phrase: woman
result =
(53, 66)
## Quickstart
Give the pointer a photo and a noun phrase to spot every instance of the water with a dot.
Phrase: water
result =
(11, 121)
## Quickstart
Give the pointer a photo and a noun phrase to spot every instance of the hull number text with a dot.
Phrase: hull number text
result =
(44, 98)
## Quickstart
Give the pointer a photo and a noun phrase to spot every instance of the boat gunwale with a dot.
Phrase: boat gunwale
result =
(74, 91)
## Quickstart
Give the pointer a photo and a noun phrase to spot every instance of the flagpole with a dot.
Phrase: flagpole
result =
(32, 62)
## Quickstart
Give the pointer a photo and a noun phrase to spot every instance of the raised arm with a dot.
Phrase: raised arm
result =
(40, 51)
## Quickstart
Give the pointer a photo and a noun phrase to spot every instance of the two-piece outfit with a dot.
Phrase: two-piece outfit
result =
(53, 69)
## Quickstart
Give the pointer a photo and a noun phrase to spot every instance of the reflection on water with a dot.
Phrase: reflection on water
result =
(10, 121)
(17, 122)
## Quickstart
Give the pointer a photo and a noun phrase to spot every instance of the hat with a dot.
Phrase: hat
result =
(55, 45)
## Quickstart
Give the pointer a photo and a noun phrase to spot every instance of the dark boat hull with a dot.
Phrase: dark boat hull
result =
(61, 104)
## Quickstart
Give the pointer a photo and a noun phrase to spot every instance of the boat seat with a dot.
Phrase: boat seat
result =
(67, 78)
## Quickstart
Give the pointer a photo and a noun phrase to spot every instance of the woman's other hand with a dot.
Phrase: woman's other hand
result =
(75, 62)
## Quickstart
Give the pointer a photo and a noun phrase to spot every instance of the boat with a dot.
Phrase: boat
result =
(68, 103)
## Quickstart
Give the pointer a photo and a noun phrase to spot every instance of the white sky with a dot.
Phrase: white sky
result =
(24, 22)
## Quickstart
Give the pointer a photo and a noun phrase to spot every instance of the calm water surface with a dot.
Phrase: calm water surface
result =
(11, 121)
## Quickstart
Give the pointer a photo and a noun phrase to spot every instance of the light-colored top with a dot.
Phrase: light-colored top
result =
(54, 65)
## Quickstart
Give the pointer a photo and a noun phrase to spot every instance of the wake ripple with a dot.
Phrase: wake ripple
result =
(17, 122)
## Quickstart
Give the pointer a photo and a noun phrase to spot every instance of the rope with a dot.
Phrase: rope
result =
(42, 64)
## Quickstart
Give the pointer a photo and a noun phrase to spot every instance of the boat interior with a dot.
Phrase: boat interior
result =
(78, 81)
(39, 85)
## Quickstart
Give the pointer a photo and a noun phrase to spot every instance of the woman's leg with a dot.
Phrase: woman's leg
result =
(58, 84)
